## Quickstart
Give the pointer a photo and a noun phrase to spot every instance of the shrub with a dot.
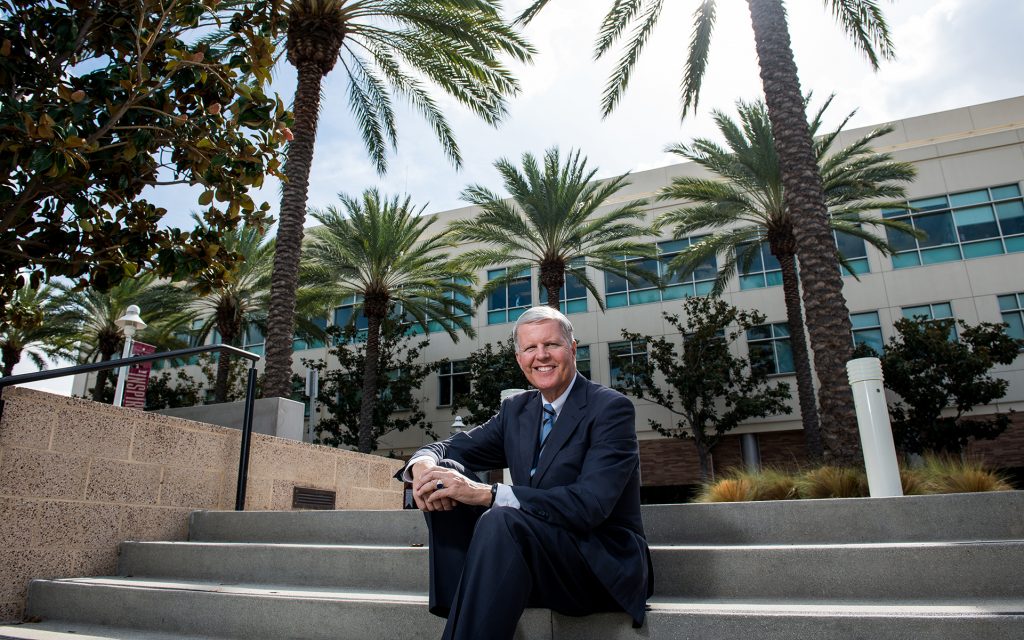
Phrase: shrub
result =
(735, 489)
(832, 482)
(949, 474)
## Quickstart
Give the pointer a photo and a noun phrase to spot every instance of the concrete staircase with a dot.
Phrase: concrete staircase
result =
(934, 567)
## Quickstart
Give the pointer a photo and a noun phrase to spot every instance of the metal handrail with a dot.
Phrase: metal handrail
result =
(250, 392)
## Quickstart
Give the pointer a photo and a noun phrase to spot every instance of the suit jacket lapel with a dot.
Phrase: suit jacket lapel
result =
(568, 419)
(526, 434)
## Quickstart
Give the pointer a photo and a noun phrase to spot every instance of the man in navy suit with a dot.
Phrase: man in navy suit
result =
(567, 534)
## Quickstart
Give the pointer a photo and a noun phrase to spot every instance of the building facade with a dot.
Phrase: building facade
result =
(968, 198)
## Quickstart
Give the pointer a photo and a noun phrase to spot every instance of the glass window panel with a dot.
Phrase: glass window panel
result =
(705, 288)
(676, 292)
(498, 299)
(1016, 322)
(982, 249)
(900, 240)
(866, 319)
(870, 337)
(756, 264)
(928, 204)
(1014, 244)
(762, 356)
(1007, 303)
(708, 270)
(616, 300)
(760, 332)
(968, 198)
(784, 355)
(514, 314)
(858, 266)
(752, 282)
(851, 246)
(894, 213)
(773, 278)
(495, 274)
(942, 310)
(976, 223)
(939, 228)
(667, 276)
(519, 293)
(902, 260)
(496, 317)
(644, 297)
(942, 254)
(781, 330)
(911, 312)
(1008, 191)
(673, 246)
(650, 265)
(576, 306)
(614, 283)
(574, 288)
(770, 262)
(1011, 217)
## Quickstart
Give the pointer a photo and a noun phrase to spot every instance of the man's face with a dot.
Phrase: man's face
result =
(547, 361)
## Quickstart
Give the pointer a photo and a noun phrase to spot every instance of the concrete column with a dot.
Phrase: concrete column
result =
(875, 430)
(751, 451)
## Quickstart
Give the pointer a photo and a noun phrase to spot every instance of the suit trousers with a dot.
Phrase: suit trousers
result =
(488, 565)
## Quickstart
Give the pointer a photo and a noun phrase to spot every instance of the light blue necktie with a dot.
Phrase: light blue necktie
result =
(545, 430)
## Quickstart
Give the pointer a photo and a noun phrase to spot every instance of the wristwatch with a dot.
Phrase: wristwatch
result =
(494, 493)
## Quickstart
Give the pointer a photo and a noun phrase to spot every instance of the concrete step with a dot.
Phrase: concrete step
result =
(191, 609)
(902, 571)
(63, 630)
(397, 528)
(979, 516)
(988, 516)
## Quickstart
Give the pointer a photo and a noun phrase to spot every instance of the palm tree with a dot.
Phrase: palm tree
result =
(385, 47)
(828, 321)
(552, 223)
(749, 208)
(164, 306)
(37, 329)
(232, 303)
(374, 249)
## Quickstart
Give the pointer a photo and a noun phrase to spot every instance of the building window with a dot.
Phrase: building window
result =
(620, 292)
(935, 311)
(1012, 308)
(452, 381)
(385, 395)
(583, 360)
(253, 339)
(351, 310)
(867, 330)
(770, 348)
(764, 269)
(301, 344)
(854, 250)
(621, 354)
(573, 296)
(960, 226)
(507, 303)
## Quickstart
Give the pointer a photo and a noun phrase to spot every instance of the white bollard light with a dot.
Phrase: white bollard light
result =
(883, 471)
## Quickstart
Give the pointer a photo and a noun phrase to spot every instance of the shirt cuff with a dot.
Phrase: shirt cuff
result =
(505, 497)
(407, 474)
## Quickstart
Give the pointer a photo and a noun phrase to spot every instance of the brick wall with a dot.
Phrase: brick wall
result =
(1005, 451)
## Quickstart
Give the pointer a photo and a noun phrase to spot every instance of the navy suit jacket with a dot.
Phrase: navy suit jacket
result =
(587, 480)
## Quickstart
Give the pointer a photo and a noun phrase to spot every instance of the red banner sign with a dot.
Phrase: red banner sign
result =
(137, 380)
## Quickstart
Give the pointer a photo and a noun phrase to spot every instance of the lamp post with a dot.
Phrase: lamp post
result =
(129, 323)
(458, 426)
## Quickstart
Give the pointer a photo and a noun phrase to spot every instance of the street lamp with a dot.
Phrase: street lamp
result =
(458, 426)
(129, 323)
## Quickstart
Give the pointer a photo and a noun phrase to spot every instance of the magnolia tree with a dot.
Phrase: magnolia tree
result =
(102, 102)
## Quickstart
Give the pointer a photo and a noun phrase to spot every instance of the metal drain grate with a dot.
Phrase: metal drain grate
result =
(306, 498)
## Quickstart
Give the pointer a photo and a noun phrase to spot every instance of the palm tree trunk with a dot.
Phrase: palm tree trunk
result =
(828, 321)
(552, 278)
(285, 276)
(801, 359)
(369, 401)
(102, 375)
(229, 335)
(11, 355)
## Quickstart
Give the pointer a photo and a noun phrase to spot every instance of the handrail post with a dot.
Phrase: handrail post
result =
(243, 456)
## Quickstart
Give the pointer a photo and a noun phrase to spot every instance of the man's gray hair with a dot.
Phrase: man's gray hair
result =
(540, 314)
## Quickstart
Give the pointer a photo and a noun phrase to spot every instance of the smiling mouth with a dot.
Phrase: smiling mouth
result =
(545, 368)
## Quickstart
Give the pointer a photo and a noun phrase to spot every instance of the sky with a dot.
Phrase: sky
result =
(949, 54)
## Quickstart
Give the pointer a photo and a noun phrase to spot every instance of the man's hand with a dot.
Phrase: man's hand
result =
(454, 488)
